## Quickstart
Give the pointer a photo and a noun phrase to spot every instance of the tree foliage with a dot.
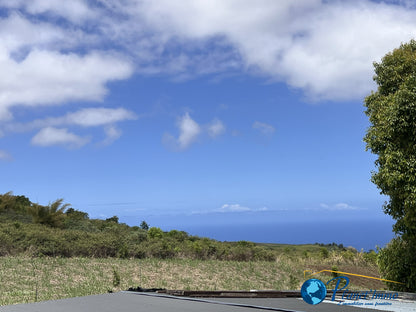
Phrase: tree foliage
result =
(52, 215)
(10, 202)
(392, 137)
(60, 230)
(396, 263)
(144, 225)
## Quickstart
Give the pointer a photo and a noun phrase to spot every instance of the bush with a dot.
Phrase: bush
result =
(60, 231)
(324, 253)
(397, 262)
(155, 232)
(334, 268)
(348, 255)
(370, 257)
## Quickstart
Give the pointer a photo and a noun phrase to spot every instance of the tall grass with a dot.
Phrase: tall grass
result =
(27, 279)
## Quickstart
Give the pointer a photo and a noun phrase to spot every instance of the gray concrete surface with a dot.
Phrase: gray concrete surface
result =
(291, 304)
(131, 301)
(401, 305)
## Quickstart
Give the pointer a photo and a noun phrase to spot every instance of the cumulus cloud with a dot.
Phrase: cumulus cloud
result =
(325, 48)
(338, 206)
(216, 128)
(41, 60)
(54, 136)
(190, 131)
(56, 52)
(50, 78)
(231, 208)
(263, 128)
(75, 10)
(238, 208)
(90, 117)
(86, 117)
(112, 134)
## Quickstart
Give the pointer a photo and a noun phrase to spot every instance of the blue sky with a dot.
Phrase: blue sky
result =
(195, 113)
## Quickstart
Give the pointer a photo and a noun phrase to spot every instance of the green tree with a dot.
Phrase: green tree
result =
(76, 214)
(397, 263)
(144, 225)
(392, 137)
(52, 215)
(10, 202)
(7, 201)
(155, 232)
(112, 219)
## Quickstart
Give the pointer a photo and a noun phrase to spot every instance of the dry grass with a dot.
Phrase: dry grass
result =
(26, 279)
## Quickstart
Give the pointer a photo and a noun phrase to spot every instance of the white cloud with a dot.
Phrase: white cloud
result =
(264, 128)
(233, 208)
(189, 131)
(338, 206)
(50, 78)
(112, 134)
(323, 205)
(18, 33)
(238, 208)
(216, 128)
(91, 117)
(74, 10)
(53, 136)
(324, 48)
(344, 206)
(86, 117)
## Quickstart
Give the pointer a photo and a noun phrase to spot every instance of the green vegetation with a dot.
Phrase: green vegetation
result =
(392, 137)
(58, 252)
(60, 230)
(28, 279)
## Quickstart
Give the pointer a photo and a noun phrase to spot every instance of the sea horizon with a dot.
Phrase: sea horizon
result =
(366, 233)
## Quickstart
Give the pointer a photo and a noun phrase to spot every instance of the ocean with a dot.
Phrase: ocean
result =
(360, 234)
(293, 227)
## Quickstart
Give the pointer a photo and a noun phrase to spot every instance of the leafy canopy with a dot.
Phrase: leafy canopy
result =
(392, 136)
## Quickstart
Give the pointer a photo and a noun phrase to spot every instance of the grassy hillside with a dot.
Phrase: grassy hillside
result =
(56, 251)
(60, 230)
(27, 279)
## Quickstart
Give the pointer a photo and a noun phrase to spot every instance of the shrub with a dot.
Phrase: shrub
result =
(334, 268)
(324, 253)
(397, 262)
(116, 278)
(155, 232)
(370, 257)
(348, 255)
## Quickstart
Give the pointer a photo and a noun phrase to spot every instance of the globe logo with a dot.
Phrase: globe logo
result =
(313, 291)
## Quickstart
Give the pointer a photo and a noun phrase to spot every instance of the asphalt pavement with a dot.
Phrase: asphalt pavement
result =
(150, 302)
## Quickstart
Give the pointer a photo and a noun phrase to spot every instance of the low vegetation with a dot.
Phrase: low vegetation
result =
(29, 279)
(55, 251)
(60, 230)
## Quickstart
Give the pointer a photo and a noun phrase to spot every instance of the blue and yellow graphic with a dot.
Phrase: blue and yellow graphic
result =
(314, 291)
